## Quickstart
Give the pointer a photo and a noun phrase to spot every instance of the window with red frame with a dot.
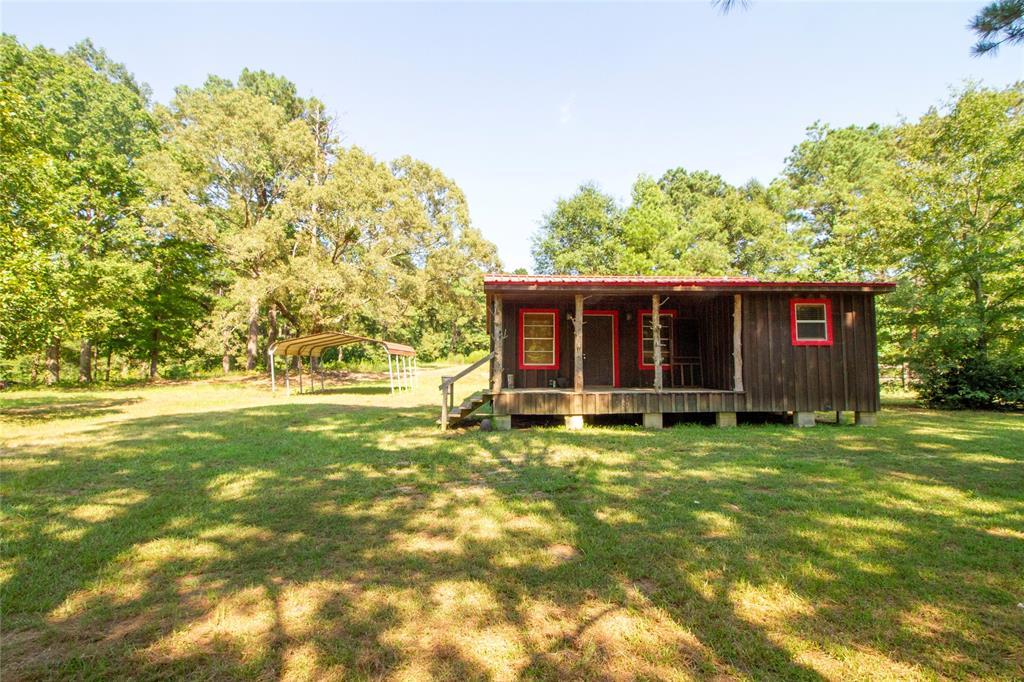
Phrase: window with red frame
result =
(811, 321)
(646, 334)
(538, 339)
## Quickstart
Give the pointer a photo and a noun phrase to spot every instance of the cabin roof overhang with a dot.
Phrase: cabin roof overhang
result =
(625, 285)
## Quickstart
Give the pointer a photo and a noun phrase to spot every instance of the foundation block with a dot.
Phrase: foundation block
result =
(865, 418)
(725, 419)
(803, 419)
(652, 420)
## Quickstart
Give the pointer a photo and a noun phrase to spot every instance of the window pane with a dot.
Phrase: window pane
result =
(810, 311)
(811, 331)
(542, 319)
(544, 345)
(538, 339)
(647, 340)
(538, 358)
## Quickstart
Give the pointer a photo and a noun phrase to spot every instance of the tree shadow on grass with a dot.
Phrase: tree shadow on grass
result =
(50, 408)
(314, 540)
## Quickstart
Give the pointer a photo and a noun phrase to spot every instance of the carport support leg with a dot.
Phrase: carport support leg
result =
(803, 419)
(574, 422)
(502, 422)
(725, 419)
(866, 418)
(652, 420)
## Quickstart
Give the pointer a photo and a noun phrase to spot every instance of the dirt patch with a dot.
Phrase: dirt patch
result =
(562, 553)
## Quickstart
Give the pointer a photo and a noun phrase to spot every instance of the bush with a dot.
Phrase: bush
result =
(973, 382)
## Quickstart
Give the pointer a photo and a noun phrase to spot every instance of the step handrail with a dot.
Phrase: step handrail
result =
(447, 388)
(448, 381)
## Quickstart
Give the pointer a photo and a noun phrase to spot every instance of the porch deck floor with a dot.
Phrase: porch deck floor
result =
(612, 389)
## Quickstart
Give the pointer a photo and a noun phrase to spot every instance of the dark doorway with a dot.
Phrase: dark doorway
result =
(599, 349)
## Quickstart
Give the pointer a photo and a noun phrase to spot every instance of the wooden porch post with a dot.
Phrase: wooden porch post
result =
(737, 342)
(578, 346)
(499, 346)
(656, 338)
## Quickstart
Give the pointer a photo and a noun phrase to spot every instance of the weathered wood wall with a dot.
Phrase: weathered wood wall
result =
(777, 376)
(781, 377)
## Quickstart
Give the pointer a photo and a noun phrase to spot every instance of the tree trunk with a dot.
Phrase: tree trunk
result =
(251, 347)
(53, 362)
(154, 354)
(979, 307)
(271, 326)
(225, 361)
(107, 374)
(85, 362)
(34, 377)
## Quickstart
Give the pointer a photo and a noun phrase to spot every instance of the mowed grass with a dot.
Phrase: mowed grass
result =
(216, 531)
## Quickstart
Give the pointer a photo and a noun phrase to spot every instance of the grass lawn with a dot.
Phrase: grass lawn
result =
(214, 530)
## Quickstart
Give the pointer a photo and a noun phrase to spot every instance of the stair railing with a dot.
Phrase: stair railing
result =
(448, 389)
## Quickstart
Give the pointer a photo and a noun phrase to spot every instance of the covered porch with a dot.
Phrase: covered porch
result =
(581, 342)
(578, 354)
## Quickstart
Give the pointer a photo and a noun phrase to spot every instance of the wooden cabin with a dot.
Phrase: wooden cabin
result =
(579, 346)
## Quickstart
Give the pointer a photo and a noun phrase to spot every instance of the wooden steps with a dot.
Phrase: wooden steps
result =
(468, 407)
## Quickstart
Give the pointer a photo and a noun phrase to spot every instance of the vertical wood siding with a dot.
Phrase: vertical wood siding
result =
(777, 375)
(781, 377)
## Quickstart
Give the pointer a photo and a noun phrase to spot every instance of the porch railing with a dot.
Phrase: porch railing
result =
(448, 388)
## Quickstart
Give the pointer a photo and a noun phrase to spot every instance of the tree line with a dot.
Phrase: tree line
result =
(935, 204)
(205, 228)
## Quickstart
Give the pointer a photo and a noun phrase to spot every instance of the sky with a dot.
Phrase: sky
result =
(521, 103)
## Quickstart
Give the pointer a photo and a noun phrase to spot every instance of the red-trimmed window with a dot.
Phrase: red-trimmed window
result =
(810, 321)
(538, 338)
(645, 338)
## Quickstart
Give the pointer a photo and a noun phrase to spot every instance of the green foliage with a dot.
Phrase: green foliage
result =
(582, 235)
(972, 382)
(934, 204)
(73, 127)
(1000, 22)
(826, 178)
(683, 224)
(215, 223)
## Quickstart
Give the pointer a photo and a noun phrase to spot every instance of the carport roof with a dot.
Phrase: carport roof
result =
(315, 344)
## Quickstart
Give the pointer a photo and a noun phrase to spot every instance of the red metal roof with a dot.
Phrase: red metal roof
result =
(667, 281)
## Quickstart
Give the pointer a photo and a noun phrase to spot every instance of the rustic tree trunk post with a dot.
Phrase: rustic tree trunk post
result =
(499, 346)
(53, 362)
(737, 342)
(578, 345)
(85, 362)
(656, 339)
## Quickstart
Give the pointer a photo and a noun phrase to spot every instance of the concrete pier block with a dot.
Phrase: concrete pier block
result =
(652, 420)
(803, 419)
(574, 422)
(502, 422)
(725, 419)
(866, 418)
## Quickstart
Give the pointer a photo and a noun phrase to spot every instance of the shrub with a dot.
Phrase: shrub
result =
(973, 382)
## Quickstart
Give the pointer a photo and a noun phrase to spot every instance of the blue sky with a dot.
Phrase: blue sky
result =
(520, 103)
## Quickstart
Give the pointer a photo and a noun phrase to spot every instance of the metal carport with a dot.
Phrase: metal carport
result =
(401, 358)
